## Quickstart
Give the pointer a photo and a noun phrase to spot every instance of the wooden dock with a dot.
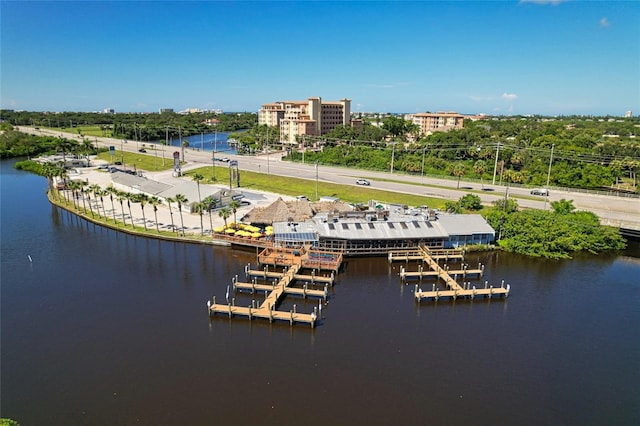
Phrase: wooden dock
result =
(467, 291)
(452, 289)
(291, 261)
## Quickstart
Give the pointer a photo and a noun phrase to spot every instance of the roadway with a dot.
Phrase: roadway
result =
(623, 212)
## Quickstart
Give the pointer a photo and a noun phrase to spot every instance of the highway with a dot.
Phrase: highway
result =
(618, 211)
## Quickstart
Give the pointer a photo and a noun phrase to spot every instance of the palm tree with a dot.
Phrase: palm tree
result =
(121, 196)
(129, 196)
(75, 186)
(169, 201)
(181, 199)
(101, 193)
(142, 199)
(87, 191)
(154, 201)
(81, 192)
(480, 167)
(198, 177)
(87, 148)
(95, 189)
(457, 169)
(112, 191)
(210, 204)
(224, 213)
(48, 170)
(234, 205)
(62, 174)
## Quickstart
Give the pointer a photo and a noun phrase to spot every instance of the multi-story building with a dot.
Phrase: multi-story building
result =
(312, 117)
(436, 122)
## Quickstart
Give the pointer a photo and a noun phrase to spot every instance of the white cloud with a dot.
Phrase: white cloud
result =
(509, 96)
(604, 22)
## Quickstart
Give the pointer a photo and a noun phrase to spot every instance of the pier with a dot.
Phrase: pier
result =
(291, 262)
(452, 289)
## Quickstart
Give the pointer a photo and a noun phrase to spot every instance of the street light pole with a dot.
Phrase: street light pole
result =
(316, 180)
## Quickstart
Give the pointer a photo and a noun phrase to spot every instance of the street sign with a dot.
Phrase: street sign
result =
(112, 150)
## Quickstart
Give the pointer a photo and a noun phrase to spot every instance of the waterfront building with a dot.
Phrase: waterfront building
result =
(312, 117)
(429, 122)
(370, 232)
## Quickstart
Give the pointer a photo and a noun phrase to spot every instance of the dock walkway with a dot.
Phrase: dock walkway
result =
(291, 261)
(452, 289)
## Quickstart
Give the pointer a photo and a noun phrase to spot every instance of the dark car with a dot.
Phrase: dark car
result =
(142, 150)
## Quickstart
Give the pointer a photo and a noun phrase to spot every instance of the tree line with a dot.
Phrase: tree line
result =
(577, 152)
(134, 126)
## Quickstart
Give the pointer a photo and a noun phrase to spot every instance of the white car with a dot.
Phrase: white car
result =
(540, 191)
(363, 182)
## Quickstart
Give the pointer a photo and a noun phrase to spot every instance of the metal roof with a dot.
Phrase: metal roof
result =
(295, 231)
(390, 229)
(465, 224)
(396, 227)
(141, 184)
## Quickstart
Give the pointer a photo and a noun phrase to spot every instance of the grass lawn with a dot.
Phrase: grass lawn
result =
(148, 161)
(293, 186)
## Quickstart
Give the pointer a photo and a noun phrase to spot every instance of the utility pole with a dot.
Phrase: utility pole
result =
(546, 197)
(495, 166)
(393, 154)
(424, 150)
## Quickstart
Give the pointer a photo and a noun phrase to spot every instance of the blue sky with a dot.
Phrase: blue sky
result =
(499, 57)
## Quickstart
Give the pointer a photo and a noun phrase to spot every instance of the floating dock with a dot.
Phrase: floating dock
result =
(291, 261)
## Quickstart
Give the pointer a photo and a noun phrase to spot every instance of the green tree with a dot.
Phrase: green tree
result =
(198, 177)
(169, 201)
(112, 193)
(155, 201)
(479, 168)
(470, 202)
(458, 170)
(143, 199)
(181, 199)
(234, 205)
(224, 213)
(210, 203)
(562, 207)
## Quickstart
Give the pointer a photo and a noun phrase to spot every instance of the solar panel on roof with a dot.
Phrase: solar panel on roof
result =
(371, 226)
(345, 226)
(330, 225)
(358, 226)
(403, 225)
(416, 224)
(391, 225)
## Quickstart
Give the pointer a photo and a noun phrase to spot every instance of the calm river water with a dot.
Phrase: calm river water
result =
(102, 328)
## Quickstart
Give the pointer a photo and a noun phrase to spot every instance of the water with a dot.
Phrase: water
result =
(103, 328)
(207, 142)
